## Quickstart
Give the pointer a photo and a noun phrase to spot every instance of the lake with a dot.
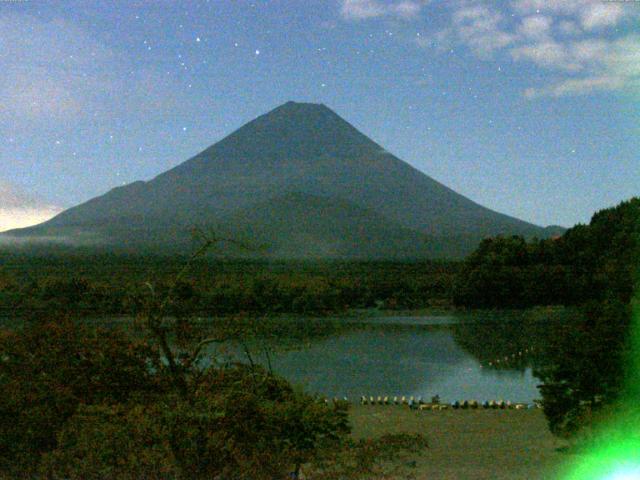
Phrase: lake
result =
(413, 356)
(476, 356)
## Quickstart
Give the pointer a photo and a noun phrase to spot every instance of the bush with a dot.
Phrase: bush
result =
(119, 442)
(84, 403)
(51, 367)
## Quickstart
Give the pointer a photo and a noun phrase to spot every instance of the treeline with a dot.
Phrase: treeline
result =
(588, 263)
(111, 285)
(591, 267)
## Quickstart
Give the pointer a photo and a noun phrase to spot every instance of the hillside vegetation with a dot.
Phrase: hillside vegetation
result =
(592, 267)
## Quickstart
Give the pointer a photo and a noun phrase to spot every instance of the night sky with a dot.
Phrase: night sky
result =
(529, 107)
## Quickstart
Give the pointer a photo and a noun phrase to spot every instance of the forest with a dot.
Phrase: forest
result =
(593, 268)
(76, 394)
(108, 285)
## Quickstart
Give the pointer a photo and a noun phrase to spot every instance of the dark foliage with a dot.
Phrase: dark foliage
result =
(588, 263)
(112, 285)
(584, 366)
(50, 368)
(81, 402)
(592, 267)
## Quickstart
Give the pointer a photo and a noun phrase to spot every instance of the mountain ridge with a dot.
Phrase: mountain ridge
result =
(302, 148)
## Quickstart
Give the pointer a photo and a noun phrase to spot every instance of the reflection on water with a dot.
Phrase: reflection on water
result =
(450, 356)
(419, 356)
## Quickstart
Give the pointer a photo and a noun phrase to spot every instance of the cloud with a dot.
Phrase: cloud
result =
(479, 27)
(568, 28)
(76, 239)
(601, 15)
(535, 26)
(624, 57)
(11, 197)
(590, 51)
(564, 7)
(610, 66)
(592, 14)
(570, 39)
(474, 25)
(25, 217)
(576, 86)
(365, 9)
(547, 54)
(19, 209)
(58, 71)
(42, 64)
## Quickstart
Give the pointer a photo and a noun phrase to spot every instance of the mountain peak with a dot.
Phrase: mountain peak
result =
(293, 131)
(302, 109)
(294, 104)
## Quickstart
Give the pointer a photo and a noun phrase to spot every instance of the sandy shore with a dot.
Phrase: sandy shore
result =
(471, 444)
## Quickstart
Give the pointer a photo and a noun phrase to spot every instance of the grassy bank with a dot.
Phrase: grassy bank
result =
(470, 444)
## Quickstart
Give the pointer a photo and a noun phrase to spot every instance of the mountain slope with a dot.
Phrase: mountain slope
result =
(297, 156)
(306, 226)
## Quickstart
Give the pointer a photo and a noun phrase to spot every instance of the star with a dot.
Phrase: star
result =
(198, 39)
(257, 52)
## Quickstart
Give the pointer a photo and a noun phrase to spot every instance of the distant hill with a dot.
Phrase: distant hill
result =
(303, 182)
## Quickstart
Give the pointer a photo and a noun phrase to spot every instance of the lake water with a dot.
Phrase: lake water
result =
(449, 356)
(419, 356)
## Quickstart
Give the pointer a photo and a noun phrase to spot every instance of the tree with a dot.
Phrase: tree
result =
(591, 267)
(241, 423)
(51, 367)
(584, 370)
(233, 423)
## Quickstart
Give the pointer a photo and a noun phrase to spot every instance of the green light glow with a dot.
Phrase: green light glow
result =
(619, 461)
(625, 474)
(615, 450)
